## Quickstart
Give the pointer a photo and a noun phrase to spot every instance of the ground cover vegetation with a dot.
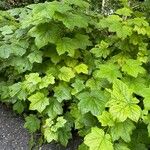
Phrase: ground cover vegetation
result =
(76, 65)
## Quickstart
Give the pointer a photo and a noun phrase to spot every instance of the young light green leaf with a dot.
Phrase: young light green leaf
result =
(98, 140)
(106, 119)
(49, 135)
(59, 124)
(101, 50)
(46, 81)
(38, 102)
(81, 68)
(133, 67)
(124, 11)
(122, 104)
(66, 73)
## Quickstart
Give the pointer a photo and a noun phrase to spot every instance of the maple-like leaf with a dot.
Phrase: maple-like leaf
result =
(81, 68)
(46, 81)
(54, 108)
(31, 82)
(121, 146)
(101, 50)
(98, 140)
(18, 107)
(133, 67)
(45, 33)
(108, 71)
(38, 102)
(124, 11)
(7, 50)
(66, 73)
(32, 123)
(93, 102)
(66, 44)
(62, 92)
(78, 86)
(106, 119)
(122, 130)
(35, 56)
(122, 104)
(145, 92)
(72, 20)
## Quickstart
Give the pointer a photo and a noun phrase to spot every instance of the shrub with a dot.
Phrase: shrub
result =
(69, 67)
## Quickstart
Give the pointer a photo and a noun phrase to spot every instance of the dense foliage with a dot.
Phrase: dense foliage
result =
(68, 67)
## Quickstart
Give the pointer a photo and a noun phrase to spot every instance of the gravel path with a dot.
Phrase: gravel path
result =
(14, 137)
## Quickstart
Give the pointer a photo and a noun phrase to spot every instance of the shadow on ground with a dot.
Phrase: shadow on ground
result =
(14, 137)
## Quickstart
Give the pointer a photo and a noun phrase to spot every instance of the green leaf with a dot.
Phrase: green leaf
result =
(78, 86)
(98, 140)
(108, 71)
(83, 147)
(62, 92)
(7, 50)
(93, 102)
(54, 108)
(6, 30)
(35, 56)
(46, 81)
(121, 146)
(19, 107)
(122, 130)
(38, 102)
(106, 119)
(122, 104)
(31, 82)
(14, 89)
(51, 129)
(32, 123)
(124, 32)
(81, 68)
(138, 21)
(82, 41)
(72, 20)
(20, 64)
(45, 33)
(101, 50)
(66, 45)
(50, 135)
(33, 78)
(66, 74)
(59, 124)
(44, 12)
(133, 67)
(145, 92)
(64, 136)
(124, 12)
(136, 84)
